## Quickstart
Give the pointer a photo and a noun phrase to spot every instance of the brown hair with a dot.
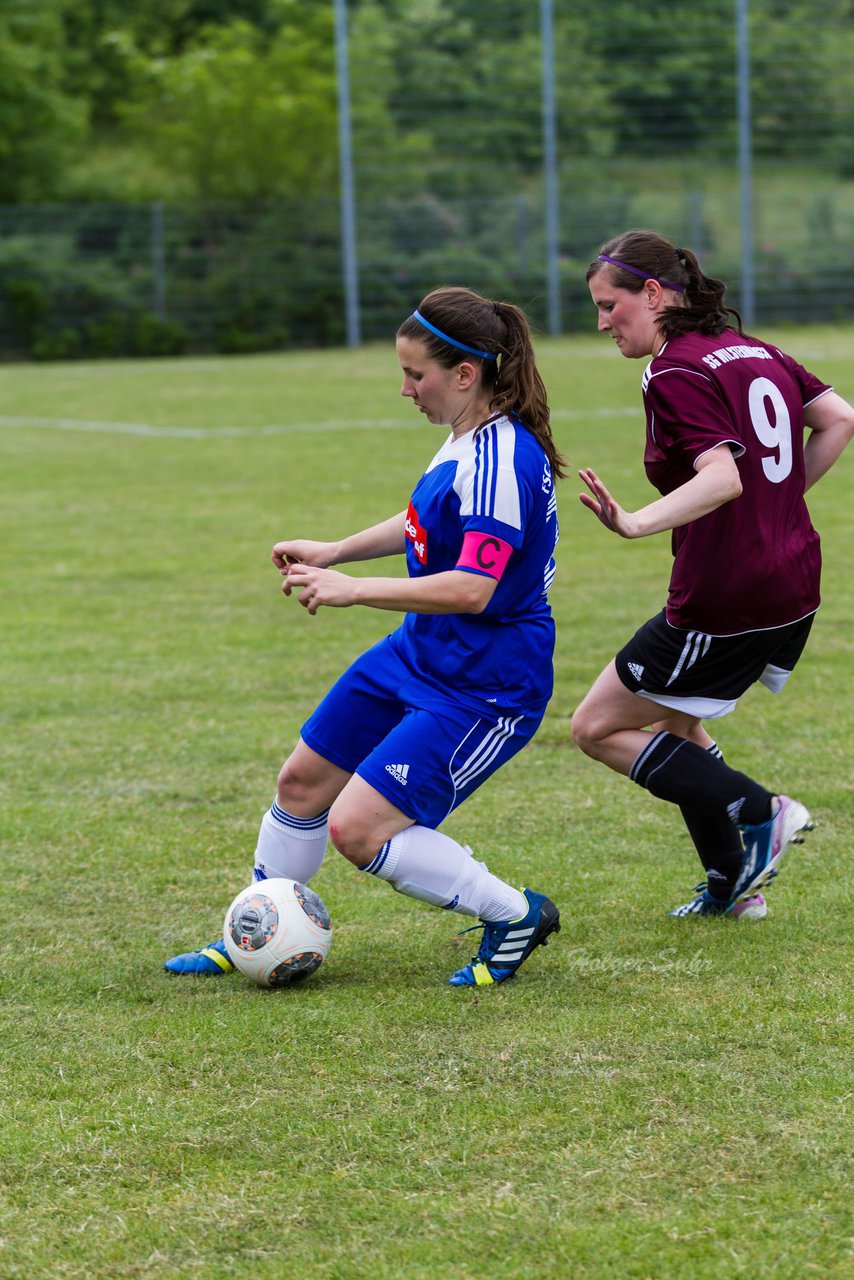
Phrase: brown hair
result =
(701, 308)
(497, 329)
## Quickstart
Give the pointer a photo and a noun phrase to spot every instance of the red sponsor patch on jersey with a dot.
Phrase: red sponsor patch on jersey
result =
(416, 535)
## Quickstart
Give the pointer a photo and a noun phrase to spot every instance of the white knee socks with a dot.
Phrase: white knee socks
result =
(289, 846)
(419, 862)
(428, 865)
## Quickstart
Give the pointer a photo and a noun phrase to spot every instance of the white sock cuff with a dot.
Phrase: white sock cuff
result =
(290, 846)
(385, 863)
(299, 828)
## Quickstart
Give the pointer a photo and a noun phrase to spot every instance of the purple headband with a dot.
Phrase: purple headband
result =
(644, 275)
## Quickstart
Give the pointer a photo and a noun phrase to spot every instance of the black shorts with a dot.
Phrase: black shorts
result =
(705, 675)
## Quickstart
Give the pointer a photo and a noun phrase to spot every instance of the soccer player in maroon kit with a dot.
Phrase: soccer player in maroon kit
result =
(726, 416)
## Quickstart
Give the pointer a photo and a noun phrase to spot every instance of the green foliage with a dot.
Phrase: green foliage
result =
(267, 275)
(26, 304)
(187, 103)
(56, 305)
(804, 104)
(649, 1098)
(240, 116)
(39, 121)
(394, 153)
(229, 101)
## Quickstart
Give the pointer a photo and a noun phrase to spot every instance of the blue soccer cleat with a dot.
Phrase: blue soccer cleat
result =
(752, 908)
(506, 945)
(764, 846)
(212, 960)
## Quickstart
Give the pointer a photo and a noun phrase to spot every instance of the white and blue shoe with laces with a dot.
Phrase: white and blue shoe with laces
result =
(751, 908)
(764, 846)
(508, 943)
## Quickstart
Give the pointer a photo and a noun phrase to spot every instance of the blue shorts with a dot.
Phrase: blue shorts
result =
(415, 744)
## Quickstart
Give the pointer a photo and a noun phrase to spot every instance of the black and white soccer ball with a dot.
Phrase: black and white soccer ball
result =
(277, 931)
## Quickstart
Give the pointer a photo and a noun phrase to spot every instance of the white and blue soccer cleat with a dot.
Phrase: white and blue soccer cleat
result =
(752, 908)
(506, 945)
(764, 846)
(209, 960)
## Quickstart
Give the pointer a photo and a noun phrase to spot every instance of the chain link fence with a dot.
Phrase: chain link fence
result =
(148, 279)
(729, 127)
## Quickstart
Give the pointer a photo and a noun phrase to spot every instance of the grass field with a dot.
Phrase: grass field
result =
(650, 1098)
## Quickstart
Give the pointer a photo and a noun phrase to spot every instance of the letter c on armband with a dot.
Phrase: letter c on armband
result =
(488, 545)
(484, 553)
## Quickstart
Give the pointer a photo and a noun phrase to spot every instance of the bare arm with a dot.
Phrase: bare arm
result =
(385, 539)
(716, 482)
(831, 423)
(454, 591)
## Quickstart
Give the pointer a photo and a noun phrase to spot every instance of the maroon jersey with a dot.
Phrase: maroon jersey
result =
(754, 563)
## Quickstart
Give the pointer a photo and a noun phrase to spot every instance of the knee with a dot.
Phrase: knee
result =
(585, 732)
(294, 789)
(353, 840)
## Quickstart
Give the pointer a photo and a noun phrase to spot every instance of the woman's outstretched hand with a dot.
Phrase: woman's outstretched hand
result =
(604, 507)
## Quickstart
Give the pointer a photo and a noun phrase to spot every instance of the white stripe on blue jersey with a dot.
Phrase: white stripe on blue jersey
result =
(485, 479)
(494, 489)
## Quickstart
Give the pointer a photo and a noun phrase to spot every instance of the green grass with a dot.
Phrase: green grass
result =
(650, 1098)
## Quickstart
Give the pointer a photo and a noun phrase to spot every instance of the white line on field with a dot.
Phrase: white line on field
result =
(189, 433)
(273, 429)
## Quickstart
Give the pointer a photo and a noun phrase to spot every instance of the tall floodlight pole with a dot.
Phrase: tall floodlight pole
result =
(745, 163)
(348, 195)
(550, 168)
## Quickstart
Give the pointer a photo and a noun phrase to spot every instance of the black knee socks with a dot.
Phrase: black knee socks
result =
(717, 842)
(685, 774)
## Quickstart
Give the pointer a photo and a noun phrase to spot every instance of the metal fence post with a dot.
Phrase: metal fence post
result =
(550, 167)
(158, 259)
(745, 164)
(348, 199)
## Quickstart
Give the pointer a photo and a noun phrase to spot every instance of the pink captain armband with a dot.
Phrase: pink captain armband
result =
(484, 553)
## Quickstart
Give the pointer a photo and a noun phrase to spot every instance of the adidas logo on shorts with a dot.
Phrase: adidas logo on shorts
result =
(399, 772)
(636, 670)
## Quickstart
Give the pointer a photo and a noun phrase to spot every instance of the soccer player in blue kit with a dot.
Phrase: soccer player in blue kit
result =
(423, 718)
(726, 417)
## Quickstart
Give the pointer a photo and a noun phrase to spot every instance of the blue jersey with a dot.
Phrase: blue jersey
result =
(494, 481)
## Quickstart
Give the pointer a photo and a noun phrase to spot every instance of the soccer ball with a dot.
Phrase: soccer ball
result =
(277, 931)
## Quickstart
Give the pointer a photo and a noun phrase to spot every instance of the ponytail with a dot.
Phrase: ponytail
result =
(520, 386)
(703, 310)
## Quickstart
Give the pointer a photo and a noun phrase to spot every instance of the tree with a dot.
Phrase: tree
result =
(39, 122)
(241, 116)
(802, 90)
